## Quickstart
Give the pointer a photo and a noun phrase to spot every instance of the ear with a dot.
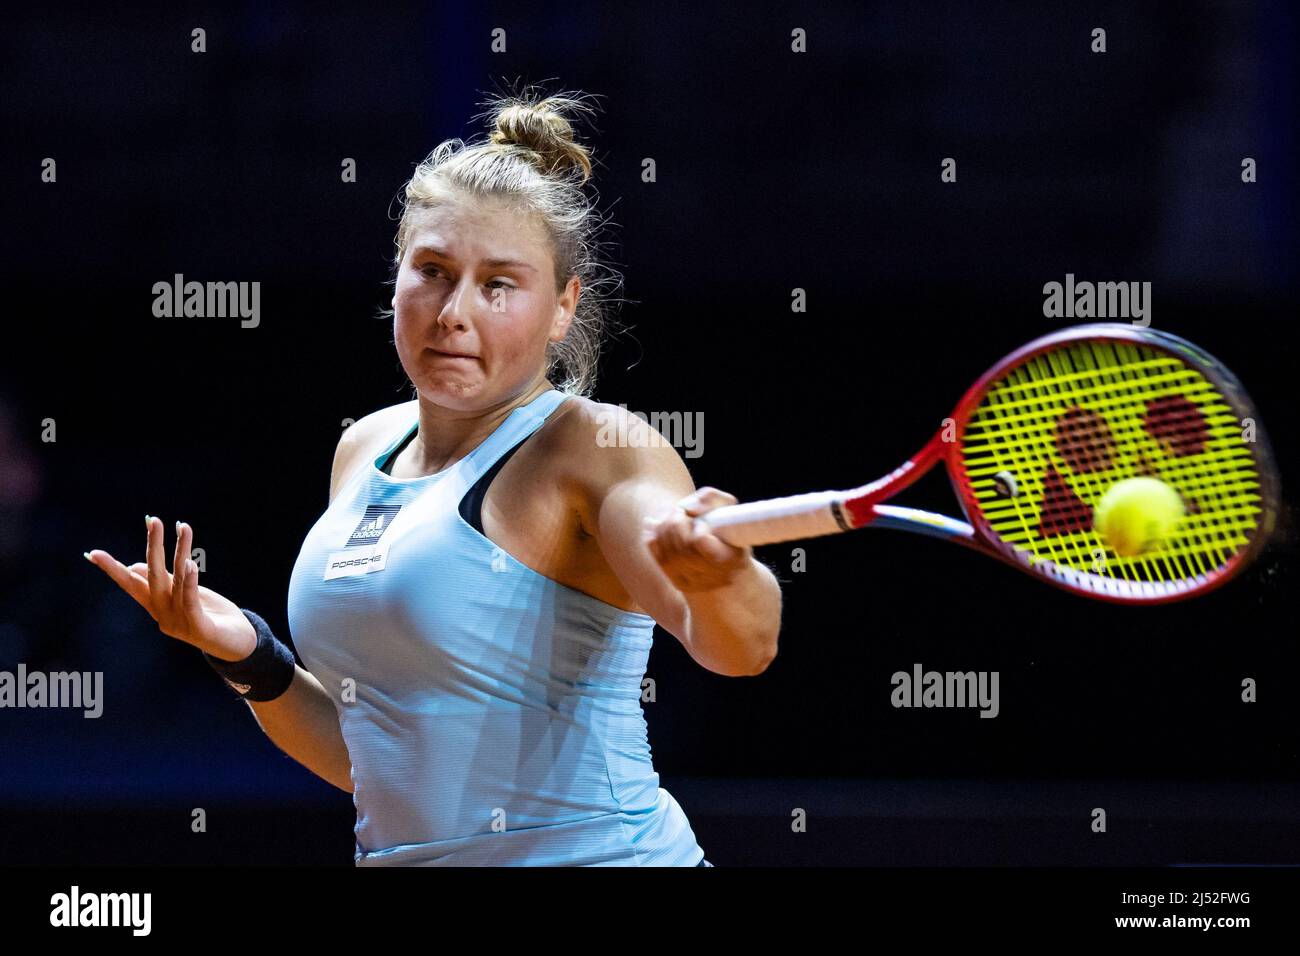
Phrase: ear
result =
(565, 306)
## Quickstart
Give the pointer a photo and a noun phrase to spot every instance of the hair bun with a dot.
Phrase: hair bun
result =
(542, 128)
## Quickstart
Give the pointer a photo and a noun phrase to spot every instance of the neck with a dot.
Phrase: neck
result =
(446, 435)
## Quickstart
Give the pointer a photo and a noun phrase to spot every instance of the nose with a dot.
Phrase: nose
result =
(457, 306)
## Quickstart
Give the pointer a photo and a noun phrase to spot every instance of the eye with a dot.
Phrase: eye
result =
(427, 269)
(501, 282)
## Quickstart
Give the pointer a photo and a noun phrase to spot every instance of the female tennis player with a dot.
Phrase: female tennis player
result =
(476, 605)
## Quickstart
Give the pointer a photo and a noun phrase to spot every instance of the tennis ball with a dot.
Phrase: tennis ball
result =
(1137, 515)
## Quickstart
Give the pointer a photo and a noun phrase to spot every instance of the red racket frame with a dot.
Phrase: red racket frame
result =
(863, 508)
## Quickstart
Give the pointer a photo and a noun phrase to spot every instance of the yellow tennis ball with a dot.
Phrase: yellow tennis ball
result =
(1137, 515)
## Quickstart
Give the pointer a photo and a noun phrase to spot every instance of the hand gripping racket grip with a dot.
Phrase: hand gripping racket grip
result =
(778, 519)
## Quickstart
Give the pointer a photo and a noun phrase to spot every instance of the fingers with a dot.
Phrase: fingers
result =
(148, 582)
(190, 597)
(128, 579)
(159, 586)
(690, 555)
(682, 537)
(685, 533)
(698, 502)
(705, 499)
(713, 548)
(178, 568)
(173, 600)
(180, 562)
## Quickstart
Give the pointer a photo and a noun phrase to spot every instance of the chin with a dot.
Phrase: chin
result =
(461, 395)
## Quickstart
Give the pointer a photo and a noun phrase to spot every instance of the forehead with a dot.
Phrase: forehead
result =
(473, 226)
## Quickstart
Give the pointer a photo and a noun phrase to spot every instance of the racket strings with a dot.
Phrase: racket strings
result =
(1131, 379)
(1134, 386)
(1130, 375)
(1186, 437)
(1070, 422)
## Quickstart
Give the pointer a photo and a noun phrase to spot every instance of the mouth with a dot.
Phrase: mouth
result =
(455, 355)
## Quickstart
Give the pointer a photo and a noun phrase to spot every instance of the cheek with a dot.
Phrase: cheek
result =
(521, 330)
(412, 306)
(541, 317)
(402, 326)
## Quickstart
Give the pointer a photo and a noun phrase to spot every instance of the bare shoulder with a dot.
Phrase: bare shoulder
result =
(598, 445)
(365, 438)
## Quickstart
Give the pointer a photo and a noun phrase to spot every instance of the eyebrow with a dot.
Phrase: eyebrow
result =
(494, 263)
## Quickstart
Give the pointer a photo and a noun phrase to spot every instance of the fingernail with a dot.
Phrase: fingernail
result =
(146, 521)
(86, 555)
(178, 527)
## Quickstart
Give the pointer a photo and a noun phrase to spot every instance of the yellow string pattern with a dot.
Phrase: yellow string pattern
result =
(1070, 422)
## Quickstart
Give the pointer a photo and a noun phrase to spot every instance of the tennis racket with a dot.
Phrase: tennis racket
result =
(1034, 444)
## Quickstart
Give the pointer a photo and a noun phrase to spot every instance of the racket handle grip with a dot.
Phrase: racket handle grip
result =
(777, 519)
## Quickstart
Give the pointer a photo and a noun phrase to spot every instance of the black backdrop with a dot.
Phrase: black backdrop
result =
(775, 170)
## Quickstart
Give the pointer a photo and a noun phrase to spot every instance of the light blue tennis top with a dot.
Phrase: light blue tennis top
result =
(493, 715)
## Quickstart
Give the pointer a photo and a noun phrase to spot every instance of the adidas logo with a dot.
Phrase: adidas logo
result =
(373, 524)
(371, 529)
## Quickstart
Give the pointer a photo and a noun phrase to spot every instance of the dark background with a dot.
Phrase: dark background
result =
(775, 171)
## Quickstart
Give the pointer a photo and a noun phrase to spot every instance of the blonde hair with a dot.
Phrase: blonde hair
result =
(531, 158)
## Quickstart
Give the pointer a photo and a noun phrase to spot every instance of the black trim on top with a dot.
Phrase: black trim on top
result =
(387, 466)
(471, 506)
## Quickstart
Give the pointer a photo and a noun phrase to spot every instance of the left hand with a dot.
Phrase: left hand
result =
(693, 558)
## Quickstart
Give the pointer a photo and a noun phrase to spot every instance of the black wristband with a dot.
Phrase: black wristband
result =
(264, 674)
